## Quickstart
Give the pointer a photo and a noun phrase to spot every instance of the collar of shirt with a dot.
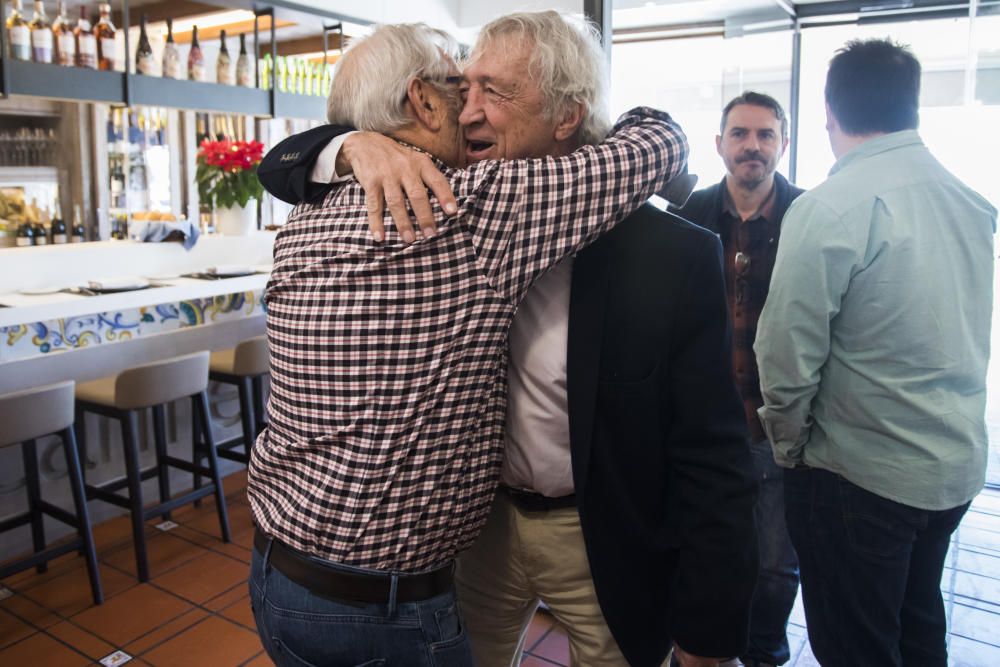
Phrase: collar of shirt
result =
(886, 142)
(765, 209)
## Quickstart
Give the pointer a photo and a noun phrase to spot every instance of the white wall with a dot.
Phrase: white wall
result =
(474, 13)
(460, 17)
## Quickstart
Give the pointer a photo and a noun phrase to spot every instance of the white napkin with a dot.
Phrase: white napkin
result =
(128, 282)
(230, 270)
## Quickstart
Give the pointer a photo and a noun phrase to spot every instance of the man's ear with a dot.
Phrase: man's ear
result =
(424, 104)
(570, 122)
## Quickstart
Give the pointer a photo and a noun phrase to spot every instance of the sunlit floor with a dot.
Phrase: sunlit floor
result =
(196, 611)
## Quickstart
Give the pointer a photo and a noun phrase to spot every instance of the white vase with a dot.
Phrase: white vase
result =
(237, 220)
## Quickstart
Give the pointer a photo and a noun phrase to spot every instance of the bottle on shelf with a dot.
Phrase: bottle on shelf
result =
(307, 77)
(59, 235)
(281, 69)
(41, 231)
(144, 63)
(300, 76)
(25, 235)
(107, 48)
(65, 42)
(86, 43)
(244, 77)
(19, 33)
(41, 35)
(78, 234)
(224, 64)
(266, 67)
(196, 60)
(171, 56)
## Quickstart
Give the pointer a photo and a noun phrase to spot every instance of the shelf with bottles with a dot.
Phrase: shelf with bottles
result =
(25, 224)
(75, 59)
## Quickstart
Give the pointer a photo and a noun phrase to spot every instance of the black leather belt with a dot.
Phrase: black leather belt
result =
(529, 501)
(337, 584)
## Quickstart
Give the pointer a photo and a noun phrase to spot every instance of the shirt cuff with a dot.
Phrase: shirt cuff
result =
(325, 169)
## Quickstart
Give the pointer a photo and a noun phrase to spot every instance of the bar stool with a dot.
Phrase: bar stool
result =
(25, 416)
(152, 386)
(244, 366)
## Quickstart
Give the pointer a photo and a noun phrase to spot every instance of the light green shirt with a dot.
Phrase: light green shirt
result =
(875, 336)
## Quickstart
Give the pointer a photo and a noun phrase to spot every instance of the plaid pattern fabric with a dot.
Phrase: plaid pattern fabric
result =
(747, 293)
(388, 361)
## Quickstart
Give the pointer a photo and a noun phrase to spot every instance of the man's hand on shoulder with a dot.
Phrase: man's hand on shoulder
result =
(391, 174)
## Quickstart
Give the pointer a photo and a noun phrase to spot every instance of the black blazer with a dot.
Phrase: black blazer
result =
(661, 465)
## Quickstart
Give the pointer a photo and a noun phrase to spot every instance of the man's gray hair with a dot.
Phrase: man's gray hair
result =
(371, 77)
(567, 62)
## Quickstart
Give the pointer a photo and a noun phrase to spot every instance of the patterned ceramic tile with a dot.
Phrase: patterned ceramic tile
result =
(25, 341)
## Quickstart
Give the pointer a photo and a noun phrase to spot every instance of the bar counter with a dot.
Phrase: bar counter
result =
(63, 335)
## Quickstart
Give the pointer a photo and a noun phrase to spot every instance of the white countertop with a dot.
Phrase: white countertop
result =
(25, 309)
(74, 265)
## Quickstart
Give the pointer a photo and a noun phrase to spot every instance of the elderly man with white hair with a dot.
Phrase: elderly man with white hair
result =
(626, 499)
(384, 446)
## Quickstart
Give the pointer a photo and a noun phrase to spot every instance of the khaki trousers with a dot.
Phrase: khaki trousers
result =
(519, 559)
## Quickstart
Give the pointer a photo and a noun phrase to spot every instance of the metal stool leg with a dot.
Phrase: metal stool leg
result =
(162, 471)
(130, 428)
(258, 405)
(30, 456)
(195, 444)
(213, 464)
(82, 513)
(247, 413)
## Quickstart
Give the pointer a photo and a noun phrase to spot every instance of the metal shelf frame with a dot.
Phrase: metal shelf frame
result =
(81, 84)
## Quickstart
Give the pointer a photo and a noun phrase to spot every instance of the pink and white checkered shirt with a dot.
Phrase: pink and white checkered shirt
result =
(388, 361)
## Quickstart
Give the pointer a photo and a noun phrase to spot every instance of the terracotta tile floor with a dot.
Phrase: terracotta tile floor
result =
(195, 611)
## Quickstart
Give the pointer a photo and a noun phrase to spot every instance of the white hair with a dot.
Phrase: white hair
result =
(371, 78)
(567, 62)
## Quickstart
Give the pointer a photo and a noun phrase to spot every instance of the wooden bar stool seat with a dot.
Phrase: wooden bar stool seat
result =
(152, 386)
(245, 367)
(24, 417)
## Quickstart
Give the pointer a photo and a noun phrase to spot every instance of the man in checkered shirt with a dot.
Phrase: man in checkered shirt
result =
(388, 362)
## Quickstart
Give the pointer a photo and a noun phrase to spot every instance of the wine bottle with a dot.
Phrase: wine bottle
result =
(78, 234)
(281, 69)
(224, 64)
(244, 77)
(300, 79)
(196, 61)
(64, 39)
(171, 56)
(41, 232)
(41, 35)
(25, 235)
(86, 43)
(19, 33)
(59, 235)
(144, 63)
(107, 48)
(266, 68)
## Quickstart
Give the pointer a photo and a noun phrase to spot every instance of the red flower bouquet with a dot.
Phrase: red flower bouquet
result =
(227, 172)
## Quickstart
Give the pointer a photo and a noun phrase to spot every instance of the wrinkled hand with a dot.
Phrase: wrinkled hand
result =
(685, 659)
(391, 175)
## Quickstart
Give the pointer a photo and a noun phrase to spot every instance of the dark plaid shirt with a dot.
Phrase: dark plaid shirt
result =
(388, 360)
(747, 291)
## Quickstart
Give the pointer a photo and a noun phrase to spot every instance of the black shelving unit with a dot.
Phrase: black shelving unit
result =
(290, 105)
(198, 96)
(79, 84)
(62, 83)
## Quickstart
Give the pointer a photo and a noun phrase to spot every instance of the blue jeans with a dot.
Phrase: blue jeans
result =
(778, 582)
(301, 629)
(871, 572)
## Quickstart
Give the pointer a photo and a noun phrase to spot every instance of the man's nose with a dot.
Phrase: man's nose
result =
(472, 111)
